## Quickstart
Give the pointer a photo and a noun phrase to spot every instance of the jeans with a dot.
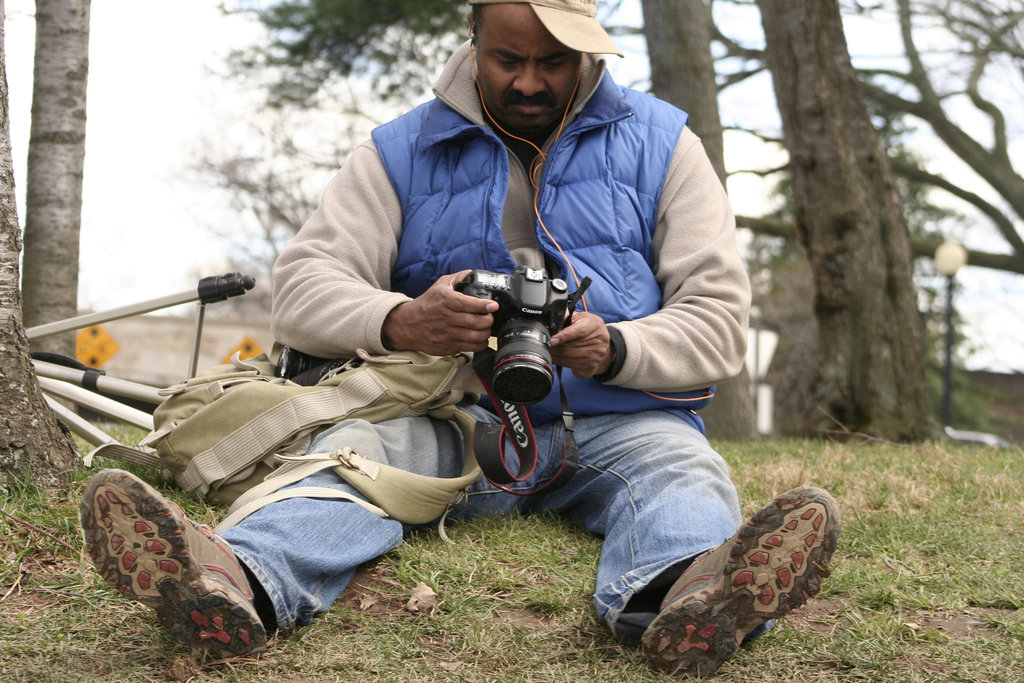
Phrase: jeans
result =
(648, 483)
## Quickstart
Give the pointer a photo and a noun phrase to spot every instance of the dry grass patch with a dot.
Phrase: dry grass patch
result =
(925, 588)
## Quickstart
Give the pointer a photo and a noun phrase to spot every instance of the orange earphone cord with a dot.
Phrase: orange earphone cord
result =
(536, 169)
(537, 166)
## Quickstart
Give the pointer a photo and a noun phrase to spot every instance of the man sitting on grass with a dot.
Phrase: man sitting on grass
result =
(529, 156)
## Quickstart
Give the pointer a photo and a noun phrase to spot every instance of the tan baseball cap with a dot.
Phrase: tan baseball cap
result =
(573, 23)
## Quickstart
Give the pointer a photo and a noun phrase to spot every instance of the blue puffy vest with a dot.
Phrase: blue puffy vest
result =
(599, 199)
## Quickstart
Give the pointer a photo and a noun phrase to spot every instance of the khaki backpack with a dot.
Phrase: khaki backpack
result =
(236, 434)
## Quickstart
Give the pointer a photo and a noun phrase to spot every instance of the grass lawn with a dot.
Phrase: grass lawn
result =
(926, 586)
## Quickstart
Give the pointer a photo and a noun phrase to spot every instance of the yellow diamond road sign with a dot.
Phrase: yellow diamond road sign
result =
(247, 348)
(94, 347)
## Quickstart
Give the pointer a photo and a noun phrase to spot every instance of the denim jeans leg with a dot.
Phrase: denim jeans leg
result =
(650, 484)
(305, 551)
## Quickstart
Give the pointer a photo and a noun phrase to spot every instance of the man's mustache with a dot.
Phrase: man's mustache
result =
(513, 98)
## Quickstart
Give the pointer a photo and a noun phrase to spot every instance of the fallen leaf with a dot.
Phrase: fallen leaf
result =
(366, 603)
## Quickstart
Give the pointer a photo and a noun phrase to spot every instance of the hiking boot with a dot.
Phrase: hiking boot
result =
(144, 546)
(773, 564)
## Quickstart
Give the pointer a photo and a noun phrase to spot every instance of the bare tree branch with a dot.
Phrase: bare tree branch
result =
(923, 247)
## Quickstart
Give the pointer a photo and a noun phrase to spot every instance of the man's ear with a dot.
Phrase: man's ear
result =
(472, 29)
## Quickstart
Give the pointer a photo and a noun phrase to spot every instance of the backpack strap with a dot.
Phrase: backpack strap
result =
(262, 434)
(114, 449)
(407, 497)
(272, 490)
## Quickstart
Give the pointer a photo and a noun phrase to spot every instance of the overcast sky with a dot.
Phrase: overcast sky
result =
(145, 219)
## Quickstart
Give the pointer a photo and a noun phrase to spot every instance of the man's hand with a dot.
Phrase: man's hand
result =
(584, 346)
(440, 321)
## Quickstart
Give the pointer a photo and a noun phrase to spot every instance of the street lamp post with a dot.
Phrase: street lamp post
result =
(949, 258)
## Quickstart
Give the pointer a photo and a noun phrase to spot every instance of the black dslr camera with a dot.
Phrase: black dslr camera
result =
(531, 308)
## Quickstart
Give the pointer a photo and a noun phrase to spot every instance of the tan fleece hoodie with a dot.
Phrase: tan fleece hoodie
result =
(332, 283)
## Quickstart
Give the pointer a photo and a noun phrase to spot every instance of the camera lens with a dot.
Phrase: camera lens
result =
(522, 364)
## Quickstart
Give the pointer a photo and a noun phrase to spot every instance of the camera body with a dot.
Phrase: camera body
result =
(531, 307)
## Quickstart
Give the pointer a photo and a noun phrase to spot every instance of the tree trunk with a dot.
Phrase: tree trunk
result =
(683, 73)
(56, 156)
(31, 440)
(850, 221)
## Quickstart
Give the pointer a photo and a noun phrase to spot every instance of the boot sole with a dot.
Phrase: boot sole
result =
(141, 551)
(777, 562)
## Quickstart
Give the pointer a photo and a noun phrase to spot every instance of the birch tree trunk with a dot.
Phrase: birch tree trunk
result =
(56, 156)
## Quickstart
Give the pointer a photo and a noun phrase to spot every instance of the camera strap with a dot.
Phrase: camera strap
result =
(489, 439)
